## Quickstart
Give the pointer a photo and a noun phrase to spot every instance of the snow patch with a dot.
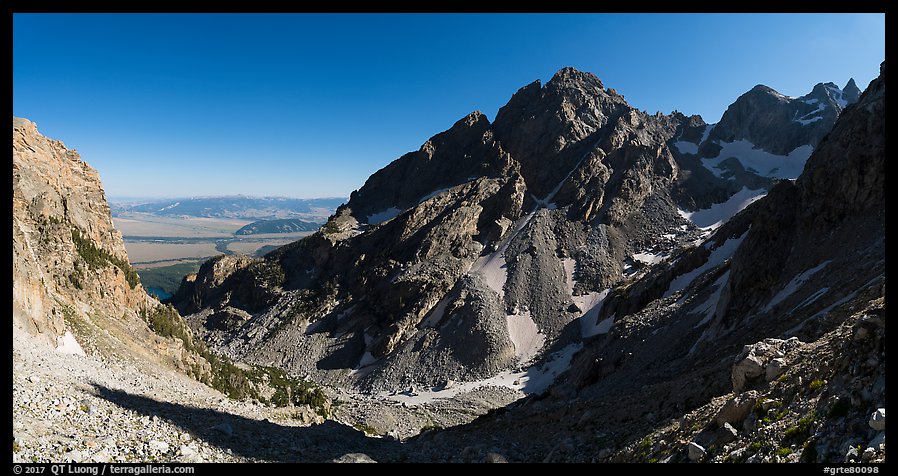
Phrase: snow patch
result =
(525, 336)
(794, 285)
(810, 300)
(493, 267)
(383, 215)
(591, 305)
(686, 147)
(436, 315)
(66, 344)
(367, 359)
(533, 380)
(718, 214)
(432, 194)
(760, 161)
(710, 305)
(825, 311)
(805, 122)
(603, 327)
(569, 265)
(718, 256)
(707, 132)
(648, 258)
(836, 94)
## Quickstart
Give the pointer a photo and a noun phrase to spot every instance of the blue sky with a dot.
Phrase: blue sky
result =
(309, 105)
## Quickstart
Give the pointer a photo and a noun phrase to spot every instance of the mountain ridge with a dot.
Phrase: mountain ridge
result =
(598, 186)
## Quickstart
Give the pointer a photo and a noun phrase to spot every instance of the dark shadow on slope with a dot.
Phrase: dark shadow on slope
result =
(259, 439)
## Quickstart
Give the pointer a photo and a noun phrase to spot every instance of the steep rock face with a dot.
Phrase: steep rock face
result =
(453, 157)
(838, 203)
(548, 129)
(804, 259)
(66, 252)
(71, 275)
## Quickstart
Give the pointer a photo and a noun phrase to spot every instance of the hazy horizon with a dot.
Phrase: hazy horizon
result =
(138, 198)
(310, 105)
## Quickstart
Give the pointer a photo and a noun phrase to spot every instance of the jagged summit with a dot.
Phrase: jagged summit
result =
(777, 123)
(851, 92)
(573, 78)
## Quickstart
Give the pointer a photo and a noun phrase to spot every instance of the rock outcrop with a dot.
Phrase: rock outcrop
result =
(68, 259)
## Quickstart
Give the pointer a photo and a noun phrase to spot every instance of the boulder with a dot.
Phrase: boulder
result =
(774, 369)
(695, 451)
(878, 419)
(354, 458)
(737, 408)
(726, 434)
(160, 446)
(751, 363)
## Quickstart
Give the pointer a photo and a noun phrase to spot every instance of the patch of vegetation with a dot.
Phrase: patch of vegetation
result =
(783, 452)
(802, 430)
(264, 250)
(815, 385)
(646, 443)
(773, 417)
(267, 273)
(75, 279)
(839, 408)
(15, 446)
(432, 426)
(168, 278)
(366, 428)
(653, 460)
(330, 227)
(78, 327)
(645, 446)
(231, 380)
(97, 257)
(54, 220)
(759, 405)
(809, 452)
(755, 446)
(782, 378)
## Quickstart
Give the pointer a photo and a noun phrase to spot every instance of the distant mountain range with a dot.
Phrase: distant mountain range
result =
(238, 206)
(284, 225)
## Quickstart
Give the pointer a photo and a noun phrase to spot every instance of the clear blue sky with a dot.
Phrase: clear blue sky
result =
(309, 105)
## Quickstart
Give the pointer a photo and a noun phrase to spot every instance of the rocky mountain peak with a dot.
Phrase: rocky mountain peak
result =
(779, 124)
(572, 78)
(475, 117)
(764, 92)
(851, 92)
(546, 130)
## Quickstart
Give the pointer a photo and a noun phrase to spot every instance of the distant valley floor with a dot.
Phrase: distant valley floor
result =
(165, 249)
